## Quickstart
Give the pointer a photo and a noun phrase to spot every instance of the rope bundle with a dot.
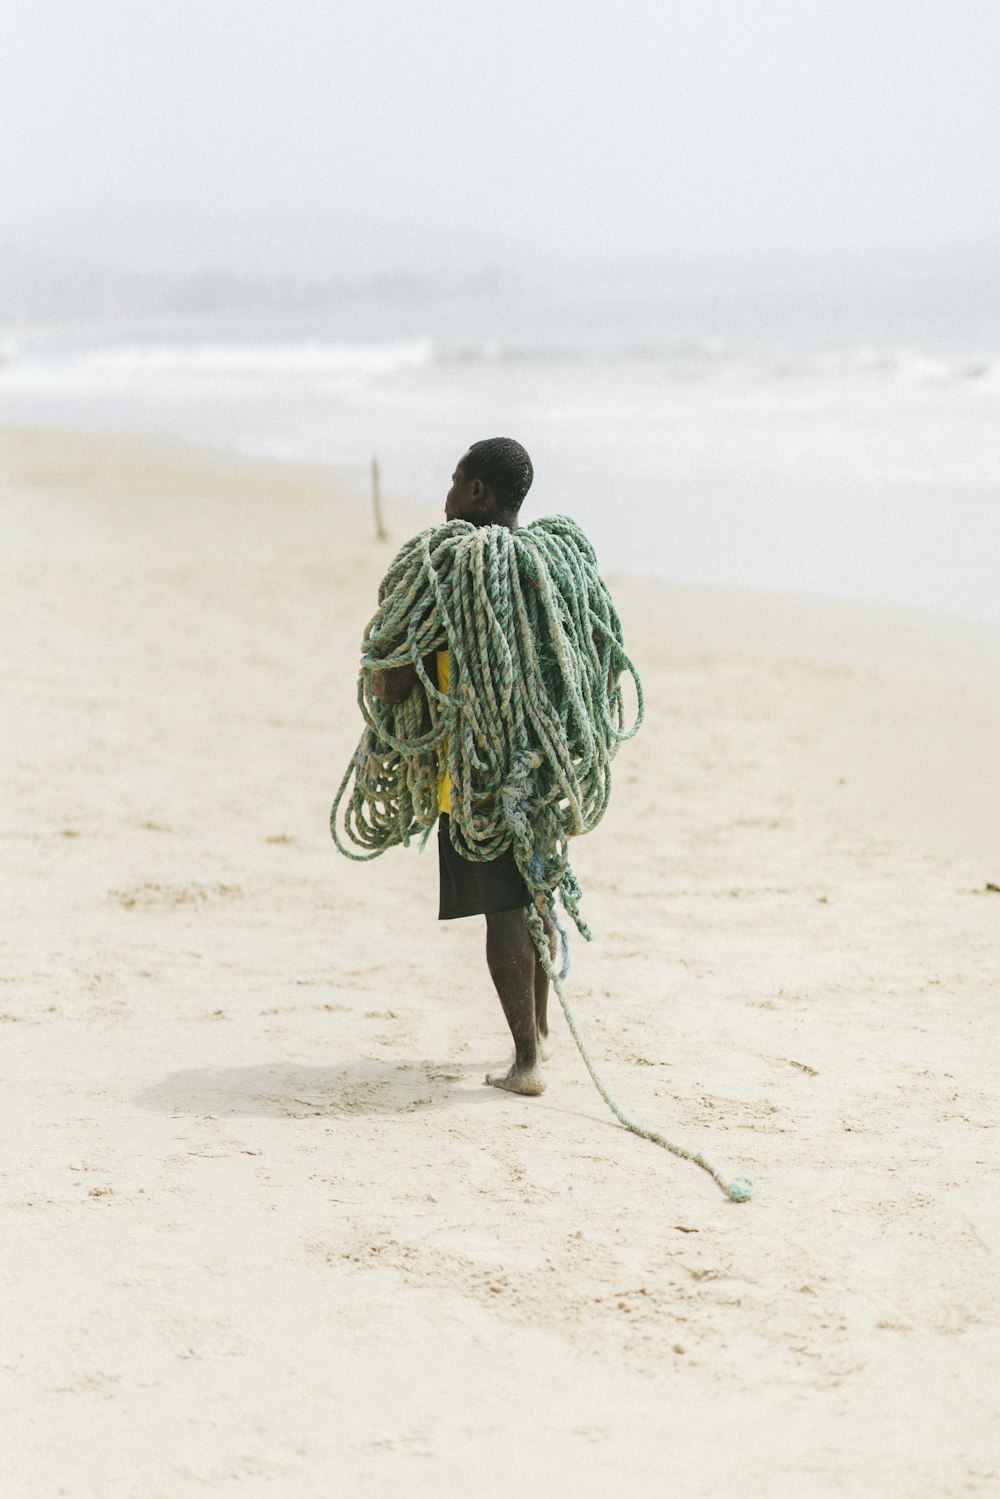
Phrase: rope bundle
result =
(534, 713)
(527, 730)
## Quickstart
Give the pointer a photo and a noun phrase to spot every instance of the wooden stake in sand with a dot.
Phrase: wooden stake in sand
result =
(381, 534)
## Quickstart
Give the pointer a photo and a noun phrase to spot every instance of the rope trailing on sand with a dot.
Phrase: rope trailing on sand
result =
(527, 731)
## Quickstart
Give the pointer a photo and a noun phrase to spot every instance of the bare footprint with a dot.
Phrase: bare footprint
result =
(530, 1082)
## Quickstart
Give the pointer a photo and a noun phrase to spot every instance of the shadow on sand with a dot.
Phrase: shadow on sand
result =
(283, 1090)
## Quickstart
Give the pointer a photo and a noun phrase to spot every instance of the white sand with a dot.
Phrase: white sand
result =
(266, 1233)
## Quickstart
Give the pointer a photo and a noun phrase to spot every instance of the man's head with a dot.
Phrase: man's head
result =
(489, 483)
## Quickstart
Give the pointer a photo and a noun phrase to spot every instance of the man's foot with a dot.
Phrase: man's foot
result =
(529, 1080)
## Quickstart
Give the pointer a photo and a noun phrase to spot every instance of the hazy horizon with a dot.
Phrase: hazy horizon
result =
(506, 133)
(136, 236)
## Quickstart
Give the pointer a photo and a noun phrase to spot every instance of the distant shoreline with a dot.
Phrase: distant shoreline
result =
(918, 729)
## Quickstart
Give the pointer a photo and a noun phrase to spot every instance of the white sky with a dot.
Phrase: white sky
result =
(639, 125)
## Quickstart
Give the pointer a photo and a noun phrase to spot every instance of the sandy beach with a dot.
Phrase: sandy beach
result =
(266, 1233)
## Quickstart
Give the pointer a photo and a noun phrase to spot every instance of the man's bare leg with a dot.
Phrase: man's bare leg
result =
(511, 957)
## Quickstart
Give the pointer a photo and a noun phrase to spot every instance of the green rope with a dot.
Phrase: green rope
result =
(739, 1189)
(527, 731)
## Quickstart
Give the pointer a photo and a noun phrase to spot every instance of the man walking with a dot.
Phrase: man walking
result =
(515, 711)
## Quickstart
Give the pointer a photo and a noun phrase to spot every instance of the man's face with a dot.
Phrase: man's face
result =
(465, 497)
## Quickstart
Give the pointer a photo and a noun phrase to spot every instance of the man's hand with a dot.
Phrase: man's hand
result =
(395, 683)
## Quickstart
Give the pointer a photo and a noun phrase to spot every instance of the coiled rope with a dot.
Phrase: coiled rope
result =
(527, 731)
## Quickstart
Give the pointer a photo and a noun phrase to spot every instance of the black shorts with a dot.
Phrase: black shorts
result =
(469, 889)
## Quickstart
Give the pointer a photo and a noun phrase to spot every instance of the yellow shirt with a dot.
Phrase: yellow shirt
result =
(444, 677)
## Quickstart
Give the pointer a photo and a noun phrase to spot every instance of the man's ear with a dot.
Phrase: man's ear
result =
(478, 492)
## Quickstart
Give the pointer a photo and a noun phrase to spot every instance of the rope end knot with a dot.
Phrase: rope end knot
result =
(740, 1189)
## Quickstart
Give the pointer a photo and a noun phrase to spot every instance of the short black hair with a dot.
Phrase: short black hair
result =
(504, 466)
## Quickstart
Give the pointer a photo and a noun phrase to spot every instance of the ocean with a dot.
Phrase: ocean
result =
(831, 426)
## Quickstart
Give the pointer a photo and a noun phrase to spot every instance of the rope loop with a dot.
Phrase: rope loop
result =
(534, 713)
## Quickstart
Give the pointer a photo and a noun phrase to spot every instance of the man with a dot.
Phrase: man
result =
(488, 486)
(531, 766)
